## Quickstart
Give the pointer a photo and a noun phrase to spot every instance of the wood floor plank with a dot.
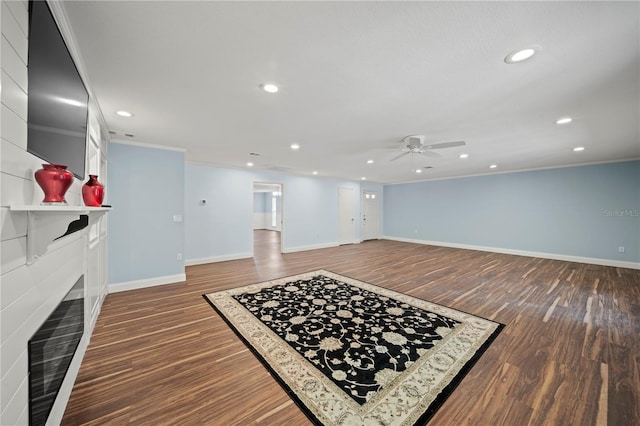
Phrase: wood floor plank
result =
(569, 353)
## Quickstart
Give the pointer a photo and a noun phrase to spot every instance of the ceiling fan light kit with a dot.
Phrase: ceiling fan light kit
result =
(415, 144)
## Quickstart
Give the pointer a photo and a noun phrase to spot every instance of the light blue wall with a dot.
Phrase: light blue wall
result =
(311, 211)
(222, 227)
(266, 200)
(145, 186)
(260, 203)
(586, 211)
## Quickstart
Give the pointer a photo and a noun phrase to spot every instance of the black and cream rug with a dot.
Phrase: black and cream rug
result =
(351, 353)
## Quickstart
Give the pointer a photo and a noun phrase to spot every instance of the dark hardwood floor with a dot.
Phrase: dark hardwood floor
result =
(569, 354)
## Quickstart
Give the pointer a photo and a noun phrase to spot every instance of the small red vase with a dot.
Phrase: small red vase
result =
(93, 192)
(54, 179)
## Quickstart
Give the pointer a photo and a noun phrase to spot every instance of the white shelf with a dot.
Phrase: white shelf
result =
(57, 209)
(45, 223)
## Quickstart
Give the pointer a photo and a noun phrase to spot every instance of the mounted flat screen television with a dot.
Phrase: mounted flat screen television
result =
(58, 99)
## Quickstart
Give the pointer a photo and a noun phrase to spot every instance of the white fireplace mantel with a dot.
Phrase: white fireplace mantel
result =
(45, 223)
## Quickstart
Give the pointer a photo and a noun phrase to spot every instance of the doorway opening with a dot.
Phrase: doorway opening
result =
(267, 221)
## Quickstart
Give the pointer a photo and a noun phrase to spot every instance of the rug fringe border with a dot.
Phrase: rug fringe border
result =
(310, 415)
(446, 392)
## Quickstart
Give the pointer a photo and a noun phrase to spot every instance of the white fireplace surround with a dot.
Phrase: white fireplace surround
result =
(32, 290)
(37, 270)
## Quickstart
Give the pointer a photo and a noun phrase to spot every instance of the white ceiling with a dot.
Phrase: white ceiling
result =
(355, 78)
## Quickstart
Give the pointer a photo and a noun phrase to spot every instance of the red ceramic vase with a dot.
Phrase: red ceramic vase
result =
(93, 192)
(54, 179)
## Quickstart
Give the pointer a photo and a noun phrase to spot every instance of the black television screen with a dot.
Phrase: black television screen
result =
(57, 98)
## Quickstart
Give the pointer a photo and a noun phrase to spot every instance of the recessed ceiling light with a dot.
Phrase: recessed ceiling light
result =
(418, 170)
(493, 166)
(564, 120)
(124, 113)
(369, 161)
(315, 173)
(249, 164)
(363, 178)
(463, 155)
(519, 55)
(295, 146)
(270, 88)
(578, 148)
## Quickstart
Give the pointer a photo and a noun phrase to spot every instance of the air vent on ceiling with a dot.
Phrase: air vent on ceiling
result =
(121, 134)
(277, 168)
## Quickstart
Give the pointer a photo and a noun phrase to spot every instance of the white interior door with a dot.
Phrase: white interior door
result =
(370, 215)
(347, 216)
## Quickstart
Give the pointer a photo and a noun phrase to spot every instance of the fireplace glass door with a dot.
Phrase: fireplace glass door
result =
(51, 350)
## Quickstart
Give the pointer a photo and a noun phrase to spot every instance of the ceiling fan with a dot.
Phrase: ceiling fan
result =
(415, 144)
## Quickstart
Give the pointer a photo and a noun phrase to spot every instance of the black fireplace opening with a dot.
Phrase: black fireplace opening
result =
(51, 350)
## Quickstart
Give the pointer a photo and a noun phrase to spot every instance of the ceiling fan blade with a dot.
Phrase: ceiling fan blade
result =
(446, 145)
(431, 154)
(398, 156)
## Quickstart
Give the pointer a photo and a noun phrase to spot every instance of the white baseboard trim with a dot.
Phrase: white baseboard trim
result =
(552, 256)
(312, 247)
(214, 259)
(147, 282)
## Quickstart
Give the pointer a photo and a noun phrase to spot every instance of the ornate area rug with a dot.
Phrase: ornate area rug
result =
(351, 353)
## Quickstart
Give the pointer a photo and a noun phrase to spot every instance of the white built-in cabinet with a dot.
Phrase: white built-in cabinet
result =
(96, 276)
